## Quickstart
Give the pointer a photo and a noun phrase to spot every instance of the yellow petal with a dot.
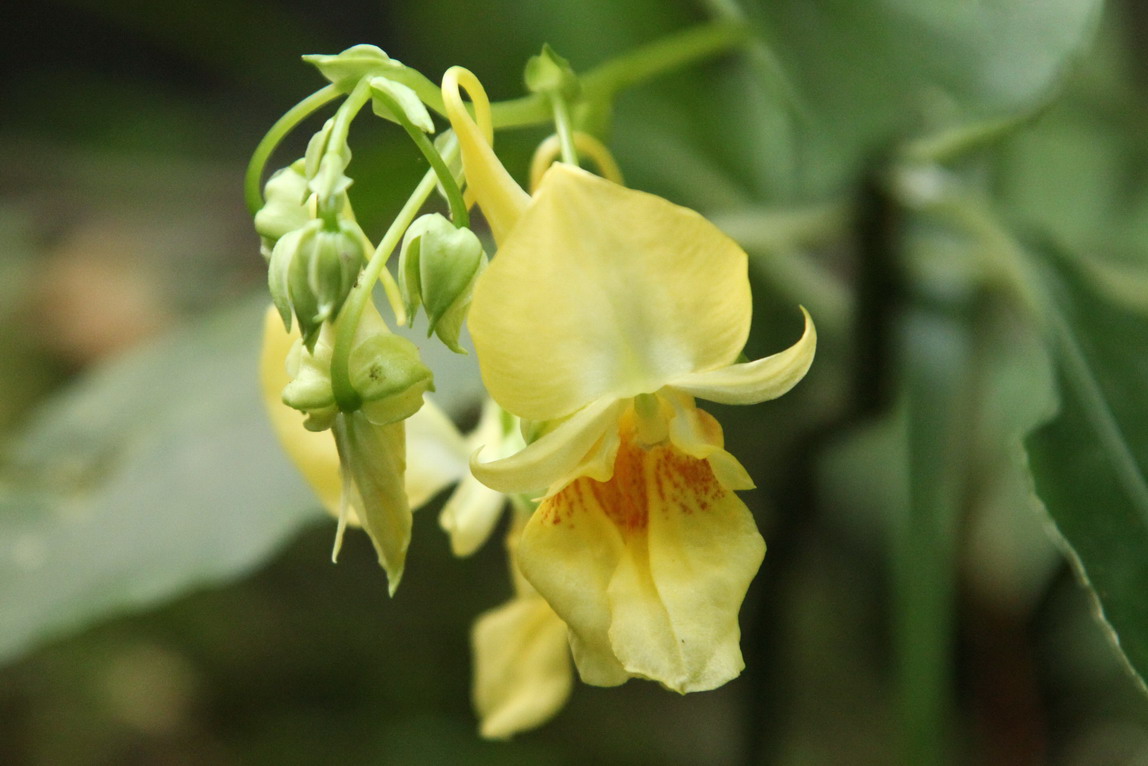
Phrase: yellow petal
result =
(436, 453)
(522, 673)
(676, 596)
(473, 509)
(555, 455)
(758, 381)
(697, 434)
(648, 570)
(603, 291)
(501, 199)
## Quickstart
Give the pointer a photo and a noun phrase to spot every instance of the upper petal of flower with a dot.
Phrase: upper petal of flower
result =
(603, 291)
(753, 382)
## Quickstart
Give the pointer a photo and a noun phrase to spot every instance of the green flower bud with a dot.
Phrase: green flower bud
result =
(407, 101)
(285, 206)
(346, 69)
(438, 265)
(386, 371)
(549, 73)
(322, 272)
(310, 389)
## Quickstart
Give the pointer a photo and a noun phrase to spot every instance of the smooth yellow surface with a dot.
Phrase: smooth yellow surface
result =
(603, 291)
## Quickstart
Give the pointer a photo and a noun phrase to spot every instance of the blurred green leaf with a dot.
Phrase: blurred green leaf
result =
(155, 475)
(1089, 462)
(874, 72)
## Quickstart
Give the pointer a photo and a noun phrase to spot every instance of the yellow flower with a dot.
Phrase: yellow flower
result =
(522, 672)
(604, 313)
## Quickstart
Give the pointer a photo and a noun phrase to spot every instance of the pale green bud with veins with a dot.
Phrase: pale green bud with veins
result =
(438, 266)
(312, 271)
(285, 207)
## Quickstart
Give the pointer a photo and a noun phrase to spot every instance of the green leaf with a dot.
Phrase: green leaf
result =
(1089, 462)
(155, 475)
(874, 72)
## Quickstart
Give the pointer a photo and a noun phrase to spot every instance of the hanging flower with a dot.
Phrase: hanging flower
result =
(604, 314)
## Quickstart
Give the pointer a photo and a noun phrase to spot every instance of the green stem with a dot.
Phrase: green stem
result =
(346, 113)
(458, 211)
(938, 354)
(252, 186)
(605, 81)
(347, 322)
(565, 128)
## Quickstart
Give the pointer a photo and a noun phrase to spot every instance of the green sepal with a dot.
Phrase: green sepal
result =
(407, 101)
(386, 371)
(550, 73)
(345, 70)
(449, 259)
(373, 461)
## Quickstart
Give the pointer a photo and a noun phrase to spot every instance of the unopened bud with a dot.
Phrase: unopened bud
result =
(386, 371)
(310, 389)
(285, 205)
(438, 265)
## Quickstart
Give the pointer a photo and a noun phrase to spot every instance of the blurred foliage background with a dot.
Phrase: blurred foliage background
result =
(165, 591)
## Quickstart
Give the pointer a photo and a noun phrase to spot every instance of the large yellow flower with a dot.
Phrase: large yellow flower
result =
(604, 313)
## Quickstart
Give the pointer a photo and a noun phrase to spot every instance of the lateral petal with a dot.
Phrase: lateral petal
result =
(555, 455)
(675, 602)
(569, 552)
(753, 382)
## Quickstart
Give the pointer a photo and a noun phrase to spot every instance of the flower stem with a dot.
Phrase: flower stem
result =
(458, 212)
(604, 82)
(347, 322)
(252, 190)
(564, 127)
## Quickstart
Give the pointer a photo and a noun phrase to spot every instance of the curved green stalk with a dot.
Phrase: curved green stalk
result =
(564, 127)
(649, 61)
(252, 188)
(458, 211)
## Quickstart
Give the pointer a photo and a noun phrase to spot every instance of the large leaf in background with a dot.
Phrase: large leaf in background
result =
(1089, 463)
(871, 72)
(153, 476)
